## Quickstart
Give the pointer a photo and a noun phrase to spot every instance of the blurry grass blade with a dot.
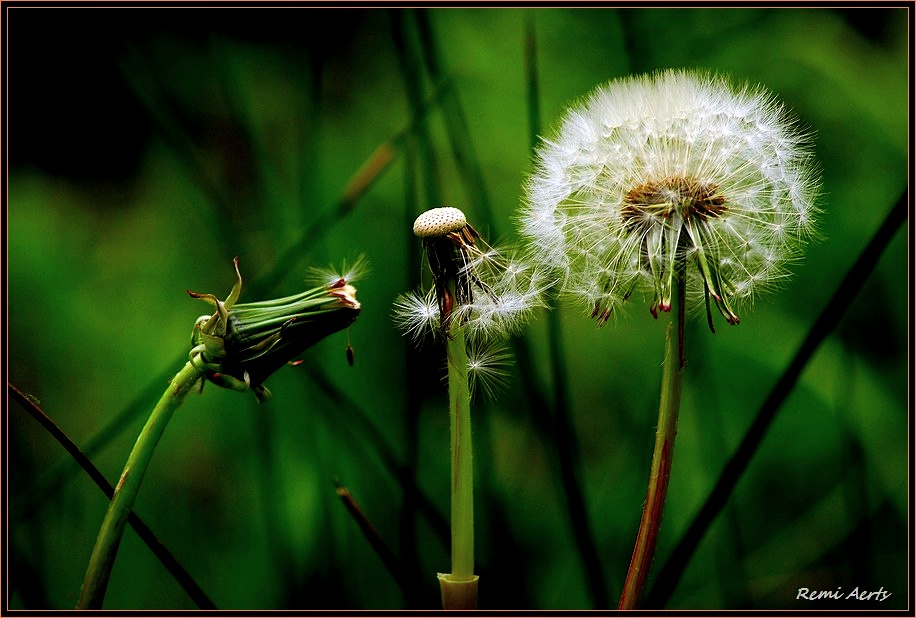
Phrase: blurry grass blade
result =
(261, 181)
(422, 155)
(62, 473)
(146, 85)
(388, 558)
(371, 170)
(532, 88)
(560, 426)
(459, 130)
(421, 169)
(349, 410)
(161, 552)
(359, 183)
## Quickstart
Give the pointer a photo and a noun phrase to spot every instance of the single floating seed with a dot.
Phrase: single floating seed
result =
(439, 222)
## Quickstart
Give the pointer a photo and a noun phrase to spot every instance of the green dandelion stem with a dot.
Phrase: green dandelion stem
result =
(669, 405)
(106, 545)
(462, 462)
(459, 588)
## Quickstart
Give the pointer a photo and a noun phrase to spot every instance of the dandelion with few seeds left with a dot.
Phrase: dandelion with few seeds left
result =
(478, 297)
(495, 292)
(236, 347)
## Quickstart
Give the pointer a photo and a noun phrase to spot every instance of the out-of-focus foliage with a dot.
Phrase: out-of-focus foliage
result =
(148, 147)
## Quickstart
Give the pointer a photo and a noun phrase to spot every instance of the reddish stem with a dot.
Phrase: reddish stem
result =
(646, 539)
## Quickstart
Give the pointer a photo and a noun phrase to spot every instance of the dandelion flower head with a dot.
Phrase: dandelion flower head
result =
(677, 167)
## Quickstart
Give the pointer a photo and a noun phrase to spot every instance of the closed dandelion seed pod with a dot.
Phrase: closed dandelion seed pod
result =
(678, 165)
(242, 344)
(439, 222)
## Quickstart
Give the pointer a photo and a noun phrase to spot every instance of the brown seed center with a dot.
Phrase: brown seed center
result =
(673, 194)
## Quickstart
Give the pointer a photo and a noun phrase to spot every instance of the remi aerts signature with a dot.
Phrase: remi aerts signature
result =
(856, 594)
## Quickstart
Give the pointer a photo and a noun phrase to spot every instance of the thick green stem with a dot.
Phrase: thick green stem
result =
(462, 458)
(106, 545)
(459, 588)
(644, 550)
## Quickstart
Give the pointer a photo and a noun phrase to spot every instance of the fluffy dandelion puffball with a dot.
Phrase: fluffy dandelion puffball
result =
(676, 167)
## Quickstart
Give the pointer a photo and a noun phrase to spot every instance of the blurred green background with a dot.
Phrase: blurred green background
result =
(147, 148)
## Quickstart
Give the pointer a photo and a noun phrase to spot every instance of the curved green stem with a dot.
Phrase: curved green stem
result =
(459, 588)
(106, 545)
(669, 405)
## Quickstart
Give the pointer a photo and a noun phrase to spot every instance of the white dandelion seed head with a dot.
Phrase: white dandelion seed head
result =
(675, 162)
